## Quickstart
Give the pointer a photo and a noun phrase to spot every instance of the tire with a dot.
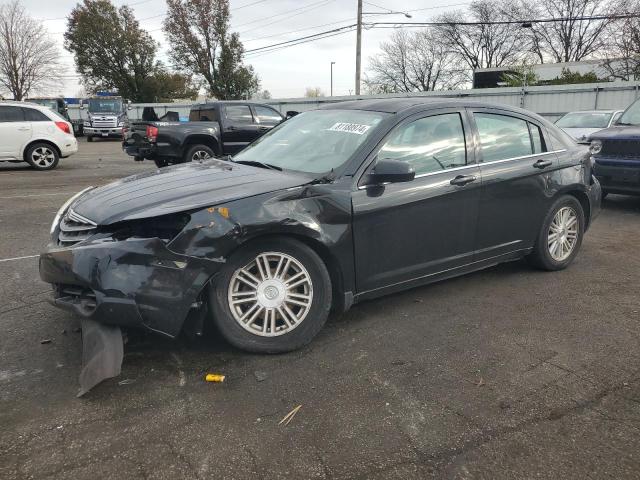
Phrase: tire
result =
(257, 334)
(89, 138)
(198, 152)
(542, 256)
(42, 156)
(161, 162)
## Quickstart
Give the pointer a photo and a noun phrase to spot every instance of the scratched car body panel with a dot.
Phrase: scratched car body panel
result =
(156, 249)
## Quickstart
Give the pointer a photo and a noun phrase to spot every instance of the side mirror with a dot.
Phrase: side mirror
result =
(81, 106)
(291, 113)
(387, 170)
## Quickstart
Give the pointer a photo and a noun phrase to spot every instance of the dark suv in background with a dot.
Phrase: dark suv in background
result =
(616, 154)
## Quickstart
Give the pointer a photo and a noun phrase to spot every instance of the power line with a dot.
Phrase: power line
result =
(375, 25)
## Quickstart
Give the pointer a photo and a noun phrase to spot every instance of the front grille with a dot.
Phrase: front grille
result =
(621, 148)
(74, 228)
(105, 122)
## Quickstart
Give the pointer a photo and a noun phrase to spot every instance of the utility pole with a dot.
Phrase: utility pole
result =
(358, 47)
(332, 64)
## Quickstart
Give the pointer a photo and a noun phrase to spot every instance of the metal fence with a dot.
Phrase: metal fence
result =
(550, 101)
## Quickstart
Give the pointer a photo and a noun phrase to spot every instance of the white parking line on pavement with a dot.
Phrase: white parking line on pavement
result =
(17, 258)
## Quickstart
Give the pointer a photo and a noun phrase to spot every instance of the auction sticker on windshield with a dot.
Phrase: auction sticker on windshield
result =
(356, 128)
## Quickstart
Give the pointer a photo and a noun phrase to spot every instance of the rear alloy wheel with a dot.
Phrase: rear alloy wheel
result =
(561, 235)
(42, 156)
(272, 297)
(199, 153)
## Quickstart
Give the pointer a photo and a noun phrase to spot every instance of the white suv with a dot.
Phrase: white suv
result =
(34, 134)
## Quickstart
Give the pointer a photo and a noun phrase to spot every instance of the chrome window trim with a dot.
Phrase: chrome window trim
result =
(480, 164)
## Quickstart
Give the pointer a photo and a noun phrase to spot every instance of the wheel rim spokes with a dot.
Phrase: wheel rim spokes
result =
(200, 155)
(271, 295)
(563, 234)
(43, 157)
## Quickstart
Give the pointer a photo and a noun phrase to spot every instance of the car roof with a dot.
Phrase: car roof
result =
(201, 106)
(15, 103)
(398, 105)
(593, 111)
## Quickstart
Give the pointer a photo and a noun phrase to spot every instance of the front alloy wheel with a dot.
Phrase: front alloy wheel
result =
(42, 156)
(271, 295)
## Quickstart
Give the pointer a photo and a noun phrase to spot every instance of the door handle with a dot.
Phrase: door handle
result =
(462, 180)
(263, 128)
(543, 164)
(231, 127)
(23, 129)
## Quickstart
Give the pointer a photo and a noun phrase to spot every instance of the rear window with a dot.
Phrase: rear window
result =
(585, 120)
(33, 115)
(203, 115)
(10, 113)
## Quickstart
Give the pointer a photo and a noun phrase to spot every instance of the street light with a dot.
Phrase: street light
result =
(332, 64)
(359, 38)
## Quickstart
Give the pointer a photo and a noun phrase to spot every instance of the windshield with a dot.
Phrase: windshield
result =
(105, 105)
(313, 142)
(585, 120)
(631, 115)
(52, 104)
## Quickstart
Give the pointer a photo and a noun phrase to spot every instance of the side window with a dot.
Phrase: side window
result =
(267, 115)
(537, 139)
(430, 144)
(33, 115)
(11, 114)
(502, 137)
(238, 114)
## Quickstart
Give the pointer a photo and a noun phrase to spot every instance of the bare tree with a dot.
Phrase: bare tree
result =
(481, 43)
(28, 57)
(622, 57)
(569, 39)
(413, 62)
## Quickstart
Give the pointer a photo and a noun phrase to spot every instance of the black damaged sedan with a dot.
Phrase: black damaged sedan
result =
(352, 201)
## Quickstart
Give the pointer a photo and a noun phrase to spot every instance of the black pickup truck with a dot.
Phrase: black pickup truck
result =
(214, 129)
(616, 154)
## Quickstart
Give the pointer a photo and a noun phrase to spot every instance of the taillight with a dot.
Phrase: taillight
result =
(64, 126)
(152, 133)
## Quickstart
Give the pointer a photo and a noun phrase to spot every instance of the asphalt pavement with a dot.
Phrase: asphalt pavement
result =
(509, 373)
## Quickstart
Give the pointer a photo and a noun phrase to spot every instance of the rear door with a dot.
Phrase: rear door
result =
(515, 162)
(15, 132)
(238, 127)
(412, 230)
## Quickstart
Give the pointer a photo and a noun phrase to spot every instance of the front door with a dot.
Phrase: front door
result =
(238, 128)
(514, 160)
(15, 132)
(412, 230)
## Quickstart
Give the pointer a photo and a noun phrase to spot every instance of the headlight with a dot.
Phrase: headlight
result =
(63, 209)
(87, 123)
(595, 147)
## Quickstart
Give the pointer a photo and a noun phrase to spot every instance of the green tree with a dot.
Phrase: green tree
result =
(112, 52)
(568, 77)
(203, 46)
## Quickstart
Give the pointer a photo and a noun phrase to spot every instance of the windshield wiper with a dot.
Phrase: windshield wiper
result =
(255, 163)
(624, 124)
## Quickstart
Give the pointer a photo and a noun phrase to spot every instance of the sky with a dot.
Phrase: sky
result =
(286, 73)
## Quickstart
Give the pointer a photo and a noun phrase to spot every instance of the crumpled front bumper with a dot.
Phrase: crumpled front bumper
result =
(133, 283)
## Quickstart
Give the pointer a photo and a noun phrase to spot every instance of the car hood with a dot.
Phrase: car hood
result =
(631, 132)
(580, 133)
(180, 188)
